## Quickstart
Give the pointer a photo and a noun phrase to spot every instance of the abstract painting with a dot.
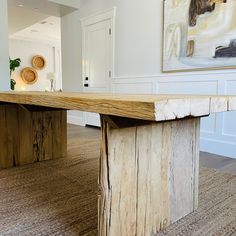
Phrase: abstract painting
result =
(199, 34)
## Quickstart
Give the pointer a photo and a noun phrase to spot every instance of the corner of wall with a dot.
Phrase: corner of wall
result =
(71, 47)
(4, 55)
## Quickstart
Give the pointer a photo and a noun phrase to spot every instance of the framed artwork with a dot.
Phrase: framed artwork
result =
(199, 34)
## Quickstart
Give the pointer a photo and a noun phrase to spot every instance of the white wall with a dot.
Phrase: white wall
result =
(72, 60)
(71, 52)
(4, 60)
(138, 59)
(25, 50)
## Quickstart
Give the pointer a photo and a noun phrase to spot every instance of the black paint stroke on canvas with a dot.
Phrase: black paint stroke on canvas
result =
(229, 51)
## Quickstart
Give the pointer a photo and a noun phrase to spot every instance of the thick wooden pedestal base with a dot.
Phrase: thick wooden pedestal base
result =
(148, 175)
(31, 134)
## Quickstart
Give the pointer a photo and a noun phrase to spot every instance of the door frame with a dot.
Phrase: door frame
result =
(109, 14)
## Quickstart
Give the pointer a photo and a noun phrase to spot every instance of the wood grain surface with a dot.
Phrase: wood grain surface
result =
(145, 107)
(31, 136)
(148, 176)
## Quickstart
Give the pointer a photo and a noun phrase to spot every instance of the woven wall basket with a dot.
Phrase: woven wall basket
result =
(29, 75)
(38, 62)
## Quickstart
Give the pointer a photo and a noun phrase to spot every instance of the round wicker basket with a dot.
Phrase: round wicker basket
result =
(29, 75)
(38, 62)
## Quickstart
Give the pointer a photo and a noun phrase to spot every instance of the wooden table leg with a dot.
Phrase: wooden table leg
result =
(148, 175)
(31, 134)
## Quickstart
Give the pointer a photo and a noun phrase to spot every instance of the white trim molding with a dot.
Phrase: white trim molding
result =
(99, 16)
(219, 147)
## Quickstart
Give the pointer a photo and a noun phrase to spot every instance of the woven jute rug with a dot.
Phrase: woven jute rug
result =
(60, 198)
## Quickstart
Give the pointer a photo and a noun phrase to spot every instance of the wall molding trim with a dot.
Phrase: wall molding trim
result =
(99, 16)
(173, 76)
(218, 147)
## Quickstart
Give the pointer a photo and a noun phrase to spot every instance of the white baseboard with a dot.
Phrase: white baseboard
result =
(75, 120)
(218, 147)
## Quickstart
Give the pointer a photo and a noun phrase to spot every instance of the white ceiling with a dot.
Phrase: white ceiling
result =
(48, 7)
(25, 13)
(46, 31)
(20, 18)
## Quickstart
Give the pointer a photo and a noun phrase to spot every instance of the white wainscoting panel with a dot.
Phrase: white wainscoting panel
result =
(218, 131)
(229, 118)
(76, 118)
(229, 125)
(185, 87)
(92, 119)
(139, 88)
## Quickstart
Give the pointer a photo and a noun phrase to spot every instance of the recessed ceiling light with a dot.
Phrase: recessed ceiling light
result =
(33, 31)
(36, 9)
(20, 5)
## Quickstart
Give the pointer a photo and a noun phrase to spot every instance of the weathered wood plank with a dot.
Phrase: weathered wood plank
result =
(36, 120)
(148, 176)
(123, 122)
(26, 142)
(143, 107)
(31, 136)
(60, 141)
(47, 134)
(12, 133)
(6, 152)
(184, 167)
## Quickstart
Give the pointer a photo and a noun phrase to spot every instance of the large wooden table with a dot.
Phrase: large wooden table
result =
(149, 151)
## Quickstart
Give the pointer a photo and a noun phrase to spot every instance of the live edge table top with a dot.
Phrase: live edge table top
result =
(145, 107)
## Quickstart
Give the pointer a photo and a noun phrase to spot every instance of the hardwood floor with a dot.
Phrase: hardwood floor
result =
(209, 160)
(224, 164)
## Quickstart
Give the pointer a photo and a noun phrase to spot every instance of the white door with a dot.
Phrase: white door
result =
(97, 62)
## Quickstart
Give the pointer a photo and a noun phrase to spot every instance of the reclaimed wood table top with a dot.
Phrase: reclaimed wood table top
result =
(146, 107)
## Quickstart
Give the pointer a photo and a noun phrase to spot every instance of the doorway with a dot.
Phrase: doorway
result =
(98, 54)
